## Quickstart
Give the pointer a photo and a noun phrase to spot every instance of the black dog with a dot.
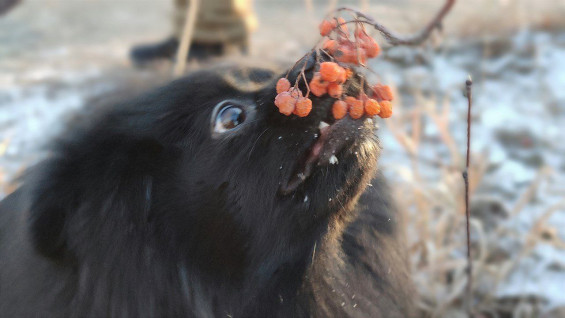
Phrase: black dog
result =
(202, 200)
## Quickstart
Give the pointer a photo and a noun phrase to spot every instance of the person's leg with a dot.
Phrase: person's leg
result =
(6, 5)
(222, 27)
(179, 15)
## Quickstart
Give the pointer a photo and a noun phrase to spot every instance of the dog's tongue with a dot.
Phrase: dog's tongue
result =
(332, 139)
(304, 167)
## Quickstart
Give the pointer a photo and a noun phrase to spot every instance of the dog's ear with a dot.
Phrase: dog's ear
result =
(89, 177)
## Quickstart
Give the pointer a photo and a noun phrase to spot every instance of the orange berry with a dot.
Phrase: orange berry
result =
(372, 107)
(346, 54)
(361, 56)
(360, 33)
(355, 107)
(303, 107)
(383, 92)
(330, 46)
(335, 90)
(351, 54)
(317, 86)
(386, 109)
(326, 27)
(283, 85)
(339, 109)
(349, 100)
(330, 71)
(285, 102)
(342, 77)
(372, 48)
(341, 25)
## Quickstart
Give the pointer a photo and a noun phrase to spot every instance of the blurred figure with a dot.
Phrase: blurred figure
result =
(6, 5)
(222, 27)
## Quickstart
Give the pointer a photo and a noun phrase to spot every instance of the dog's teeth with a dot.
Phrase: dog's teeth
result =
(333, 160)
(323, 125)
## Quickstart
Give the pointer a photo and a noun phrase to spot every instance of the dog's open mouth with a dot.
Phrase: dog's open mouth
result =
(326, 149)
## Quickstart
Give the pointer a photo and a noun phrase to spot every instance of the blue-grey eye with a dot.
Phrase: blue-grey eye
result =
(229, 117)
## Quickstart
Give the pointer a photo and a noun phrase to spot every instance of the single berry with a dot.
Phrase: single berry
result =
(372, 48)
(285, 102)
(361, 56)
(355, 105)
(335, 90)
(330, 46)
(317, 86)
(346, 54)
(283, 85)
(330, 71)
(342, 77)
(341, 24)
(359, 33)
(339, 109)
(386, 109)
(372, 107)
(383, 92)
(303, 107)
(326, 27)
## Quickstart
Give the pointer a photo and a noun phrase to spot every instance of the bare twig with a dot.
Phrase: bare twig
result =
(188, 29)
(469, 85)
(415, 39)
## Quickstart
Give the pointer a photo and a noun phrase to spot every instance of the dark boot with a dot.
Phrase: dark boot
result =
(143, 54)
(6, 5)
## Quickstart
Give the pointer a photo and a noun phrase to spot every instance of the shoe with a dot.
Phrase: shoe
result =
(143, 54)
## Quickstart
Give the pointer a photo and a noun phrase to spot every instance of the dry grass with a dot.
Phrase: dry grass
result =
(436, 222)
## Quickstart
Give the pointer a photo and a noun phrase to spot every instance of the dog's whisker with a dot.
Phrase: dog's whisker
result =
(255, 143)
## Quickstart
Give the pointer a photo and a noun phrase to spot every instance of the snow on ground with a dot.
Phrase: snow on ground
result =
(518, 123)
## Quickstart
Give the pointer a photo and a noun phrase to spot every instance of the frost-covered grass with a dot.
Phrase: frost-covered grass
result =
(517, 173)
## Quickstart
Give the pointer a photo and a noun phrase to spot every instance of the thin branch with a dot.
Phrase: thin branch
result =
(469, 85)
(188, 30)
(292, 68)
(415, 39)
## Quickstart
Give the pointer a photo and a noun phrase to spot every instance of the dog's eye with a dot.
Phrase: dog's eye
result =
(229, 117)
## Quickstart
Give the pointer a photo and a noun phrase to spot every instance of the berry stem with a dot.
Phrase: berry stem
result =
(394, 39)
(305, 83)
(299, 60)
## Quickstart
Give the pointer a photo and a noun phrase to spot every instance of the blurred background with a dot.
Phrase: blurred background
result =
(60, 56)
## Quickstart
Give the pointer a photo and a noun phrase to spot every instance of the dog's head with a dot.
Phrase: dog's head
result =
(205, 167)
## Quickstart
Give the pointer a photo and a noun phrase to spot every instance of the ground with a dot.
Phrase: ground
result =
(57, 54)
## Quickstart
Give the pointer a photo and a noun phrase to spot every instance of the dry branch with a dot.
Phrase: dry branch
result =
(469, 86)
(415, 39)
(184, 46)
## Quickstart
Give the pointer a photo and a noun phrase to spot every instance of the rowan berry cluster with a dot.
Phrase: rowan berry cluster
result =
(346, 52)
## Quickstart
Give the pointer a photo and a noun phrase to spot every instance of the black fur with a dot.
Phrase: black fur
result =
(146, 213)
